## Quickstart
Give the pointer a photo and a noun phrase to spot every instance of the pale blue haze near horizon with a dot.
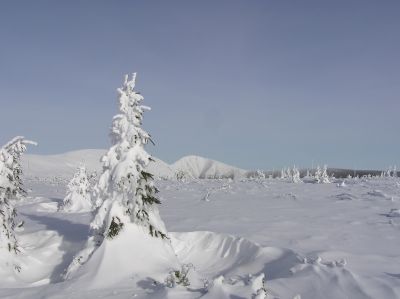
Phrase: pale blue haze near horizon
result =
(256, 84)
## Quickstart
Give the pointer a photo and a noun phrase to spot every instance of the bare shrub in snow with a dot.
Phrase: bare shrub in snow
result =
(179, 277)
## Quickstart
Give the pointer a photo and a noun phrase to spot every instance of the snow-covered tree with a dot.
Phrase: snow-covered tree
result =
(10, 188)
(260, 174)
(127, 218)
(283, 173)
(324, 176)
(296, 175)
(124, 186)
(389, 172)
(289, 173)
(78, 193)
(318, 175)
(15, 148)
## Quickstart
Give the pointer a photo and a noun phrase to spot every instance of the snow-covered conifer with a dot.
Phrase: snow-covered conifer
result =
(260, 174)
(324, 176)
(78, 194)
(125, 191)
(10, 188)
(283, 173)
(389, 172)
(296, 175)
(127, 220)
(15, 148)
(289, 174)
(318, 175)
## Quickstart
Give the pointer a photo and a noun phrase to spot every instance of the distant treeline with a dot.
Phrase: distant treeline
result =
(336, 172)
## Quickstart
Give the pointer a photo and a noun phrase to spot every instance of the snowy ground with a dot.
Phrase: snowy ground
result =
(313, 240)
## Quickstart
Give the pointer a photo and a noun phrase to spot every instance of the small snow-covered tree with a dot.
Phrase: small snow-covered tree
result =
(78, 193)
(296, 175)
(289, 173)
(260, 174)
(325, 177)
(283, 173)
(389, 172)
(318, 175)
(10, 188)
(127, 217)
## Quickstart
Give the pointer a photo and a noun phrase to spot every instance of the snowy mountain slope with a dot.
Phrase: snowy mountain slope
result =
(199, 167)
(61, 165)
(65, 165)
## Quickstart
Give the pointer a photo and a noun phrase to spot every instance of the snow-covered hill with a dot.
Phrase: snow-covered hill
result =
(61, 165)
(199, 167)
(65, 165)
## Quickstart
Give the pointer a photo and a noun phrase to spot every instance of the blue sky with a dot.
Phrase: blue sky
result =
(257, 84)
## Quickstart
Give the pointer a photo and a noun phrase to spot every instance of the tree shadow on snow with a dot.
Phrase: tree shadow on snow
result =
(74, 236)
(151, 285)
(393, 275)
(58, 200)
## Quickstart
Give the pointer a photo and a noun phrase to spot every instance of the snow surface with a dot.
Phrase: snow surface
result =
(310, 240)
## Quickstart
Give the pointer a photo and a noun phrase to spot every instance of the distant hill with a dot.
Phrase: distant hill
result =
(199, 167)
(64, 165)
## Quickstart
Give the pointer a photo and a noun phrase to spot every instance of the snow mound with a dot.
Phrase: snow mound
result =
(47, 207)
(378, 193)
(37, 259)
(134, 253)
(203, 168)
(215, 254)
(236, 266)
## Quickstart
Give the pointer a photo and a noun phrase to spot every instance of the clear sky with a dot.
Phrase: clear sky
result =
(257, 84)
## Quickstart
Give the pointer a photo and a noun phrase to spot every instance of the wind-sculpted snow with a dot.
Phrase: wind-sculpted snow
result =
(314, 240)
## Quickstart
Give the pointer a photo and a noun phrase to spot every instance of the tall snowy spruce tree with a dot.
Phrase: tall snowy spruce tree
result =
(126, 220)
(11, 188)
